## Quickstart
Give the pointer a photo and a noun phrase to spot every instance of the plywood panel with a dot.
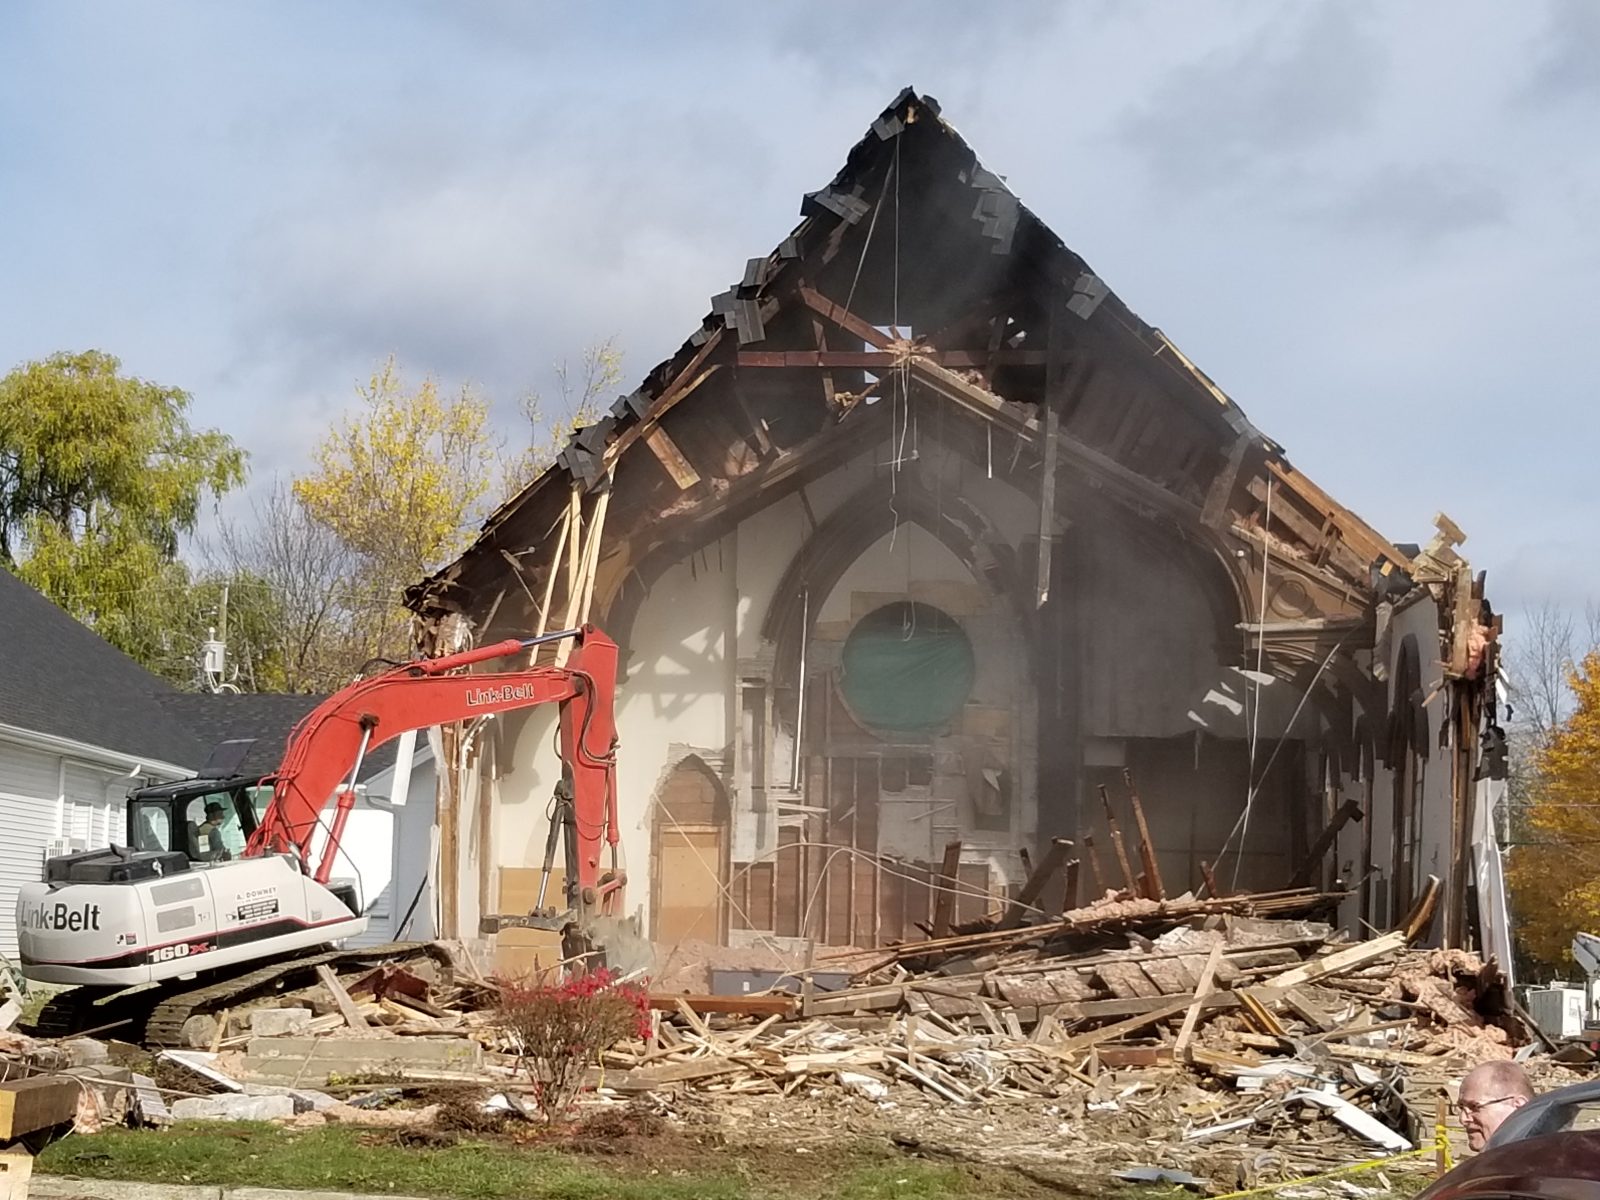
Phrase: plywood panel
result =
(688, 896)
(519, 952)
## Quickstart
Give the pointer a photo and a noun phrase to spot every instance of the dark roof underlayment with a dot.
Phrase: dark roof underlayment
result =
(914, 269)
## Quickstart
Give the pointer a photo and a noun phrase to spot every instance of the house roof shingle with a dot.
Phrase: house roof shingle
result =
(58, 677)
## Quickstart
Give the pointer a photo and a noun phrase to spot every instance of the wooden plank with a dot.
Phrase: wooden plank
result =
(31, 1105)
(1309, 1011)
(669, 456)
(1154, 888)
(347, 1007)
(844, 318)
(1357, 533)
(1342, 962)
(1372, 1054)
(1349, 811)
(1256, 1008)
(1186, 1032)
(684, 383)
(1126, 979)
(1069, 893)
(1118, 1057)
(881, 360)
(684, 1072)
(1076, 1045)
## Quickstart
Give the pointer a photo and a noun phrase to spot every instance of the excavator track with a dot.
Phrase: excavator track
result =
(157, 1015)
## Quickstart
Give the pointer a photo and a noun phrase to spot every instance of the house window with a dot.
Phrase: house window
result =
(907, 668)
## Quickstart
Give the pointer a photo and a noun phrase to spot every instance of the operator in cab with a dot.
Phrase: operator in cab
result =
(210, 835)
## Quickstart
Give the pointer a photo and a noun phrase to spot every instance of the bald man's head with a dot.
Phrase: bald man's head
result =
(1489, 1094)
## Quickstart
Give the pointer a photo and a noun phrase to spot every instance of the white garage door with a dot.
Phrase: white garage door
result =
(29, 784)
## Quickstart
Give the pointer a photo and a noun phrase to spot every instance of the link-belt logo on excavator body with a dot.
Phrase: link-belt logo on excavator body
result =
(504, 694)
(61, 918)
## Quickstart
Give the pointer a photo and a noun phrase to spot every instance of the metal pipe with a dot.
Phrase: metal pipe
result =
(800, 693)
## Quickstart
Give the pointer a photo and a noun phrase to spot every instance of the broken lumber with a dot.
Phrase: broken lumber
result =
(1154, 888)
(1341, 962)
(341, 998)
(1349, 811)
(1202, 989)
(944, 906)
(1117, 845)
(741, 1006)
(1028, 897)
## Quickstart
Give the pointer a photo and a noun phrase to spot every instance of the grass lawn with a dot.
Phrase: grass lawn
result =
(334, 1158)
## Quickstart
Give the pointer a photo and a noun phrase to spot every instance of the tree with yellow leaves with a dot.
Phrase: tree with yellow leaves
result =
(1555, 859)
(402, 482)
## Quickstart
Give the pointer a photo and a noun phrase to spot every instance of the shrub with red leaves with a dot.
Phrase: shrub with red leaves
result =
(558, 1029)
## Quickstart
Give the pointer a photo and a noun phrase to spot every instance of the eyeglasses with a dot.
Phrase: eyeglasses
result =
(1477, 1106)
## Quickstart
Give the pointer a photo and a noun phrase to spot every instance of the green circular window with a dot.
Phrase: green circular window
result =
(907, 667)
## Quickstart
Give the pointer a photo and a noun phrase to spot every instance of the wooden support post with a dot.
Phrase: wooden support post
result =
(949, 875)
(1034, 887)
(575, 517)
(543, 626)
(448, 818)
(1069, 894)
(1095, 873)
(1350, 810)
(1147, 854)
(1116, 842)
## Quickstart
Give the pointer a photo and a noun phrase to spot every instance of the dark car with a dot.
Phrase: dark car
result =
(1533, 1154)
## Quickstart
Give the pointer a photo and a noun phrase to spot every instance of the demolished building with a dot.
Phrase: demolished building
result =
(919, 541)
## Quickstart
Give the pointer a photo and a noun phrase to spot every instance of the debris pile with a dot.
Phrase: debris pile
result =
(1236, 1036)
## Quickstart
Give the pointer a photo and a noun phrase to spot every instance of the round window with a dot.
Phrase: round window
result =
(907, 667)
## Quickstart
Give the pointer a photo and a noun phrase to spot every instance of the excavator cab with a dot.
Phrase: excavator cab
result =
(206, 820)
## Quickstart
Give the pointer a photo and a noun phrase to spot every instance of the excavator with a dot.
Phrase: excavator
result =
(178, 924)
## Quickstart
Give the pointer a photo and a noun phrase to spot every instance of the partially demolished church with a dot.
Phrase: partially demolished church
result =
(926, 556)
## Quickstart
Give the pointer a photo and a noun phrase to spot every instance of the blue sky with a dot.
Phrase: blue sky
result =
(1374, 224)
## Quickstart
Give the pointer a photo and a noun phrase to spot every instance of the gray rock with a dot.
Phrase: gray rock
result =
(233, 1108)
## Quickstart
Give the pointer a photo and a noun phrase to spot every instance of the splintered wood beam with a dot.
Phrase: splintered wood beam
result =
(1047, 505)
(682, 384)
(883, 360)
(1366, 541)
(1117, 843)
(1031, 890)
(844, 318)
(1095, 873)
(1349, 811)
(1147, 851)
(669, 456)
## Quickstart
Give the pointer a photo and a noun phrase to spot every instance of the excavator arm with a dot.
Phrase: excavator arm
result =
(327, 747)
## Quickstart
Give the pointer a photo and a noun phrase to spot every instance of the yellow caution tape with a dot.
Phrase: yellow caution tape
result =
(1440, 1146)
